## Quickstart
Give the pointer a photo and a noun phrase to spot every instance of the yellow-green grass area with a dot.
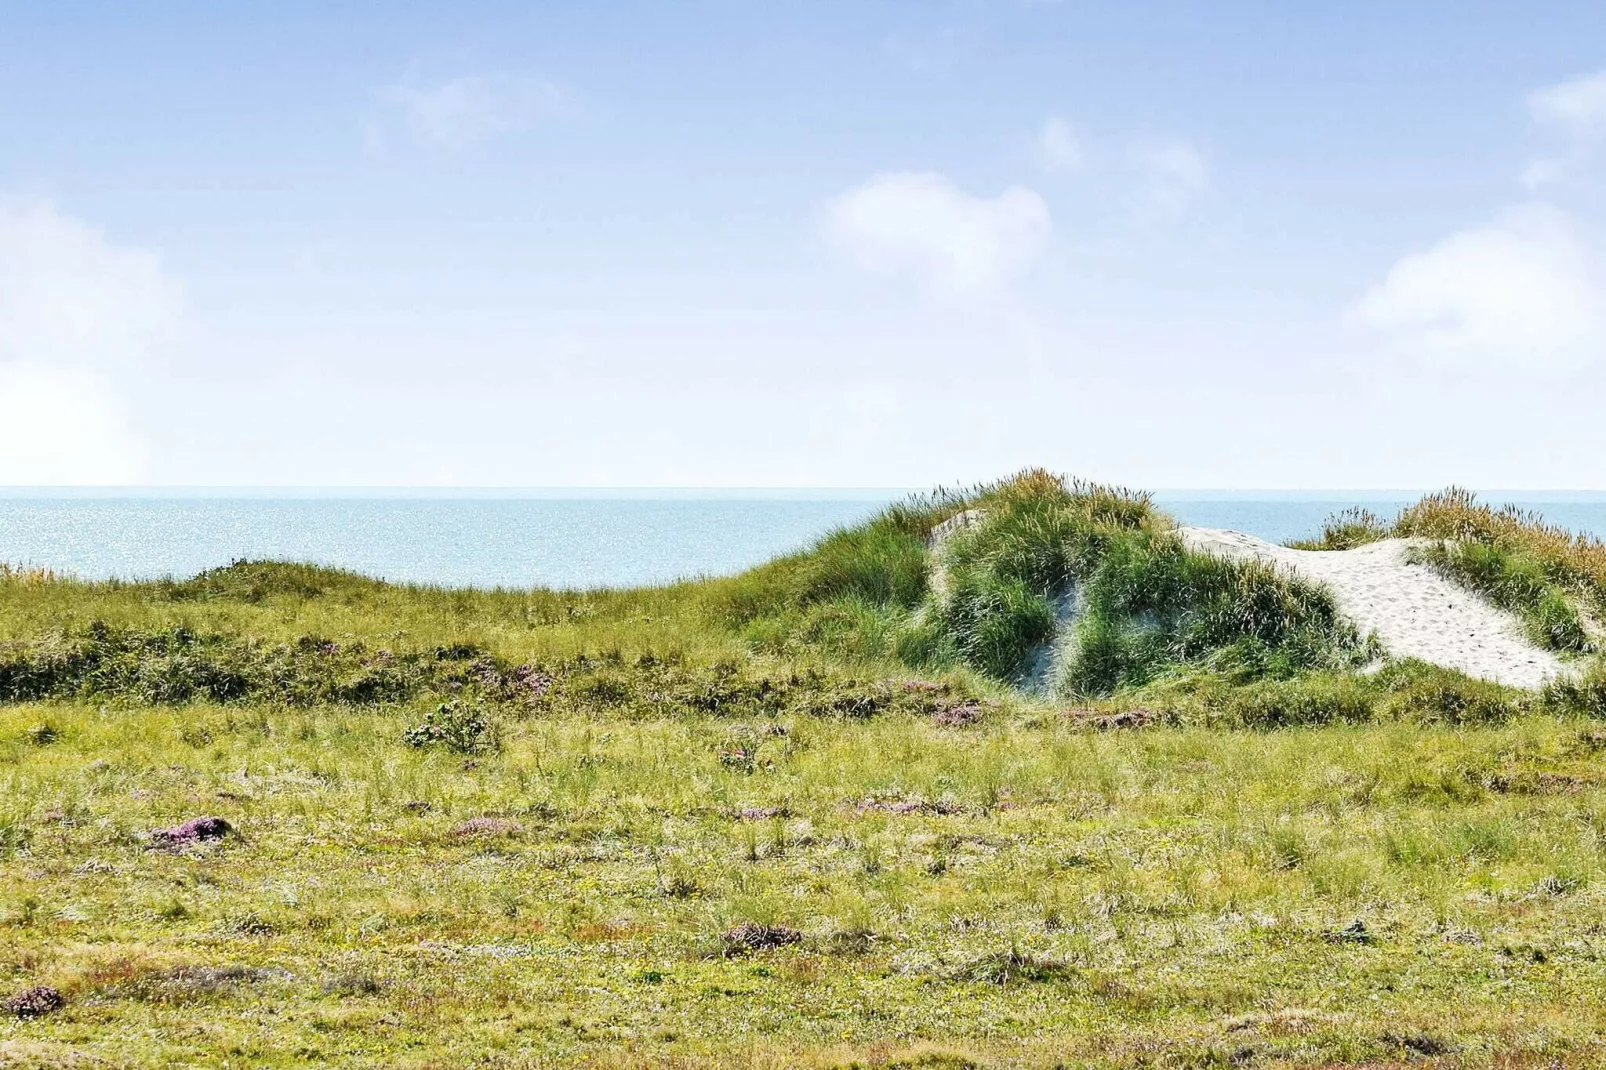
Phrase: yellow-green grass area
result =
(1022, 891)
(803, 816)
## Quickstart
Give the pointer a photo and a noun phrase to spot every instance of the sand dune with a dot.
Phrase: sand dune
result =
(1413, 611)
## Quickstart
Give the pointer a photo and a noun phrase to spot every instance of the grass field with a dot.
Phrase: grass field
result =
(800, 817)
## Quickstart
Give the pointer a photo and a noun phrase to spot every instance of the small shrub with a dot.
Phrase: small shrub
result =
(476, 827)
(1424, 1045)
(1583, 694)
(250, 923)
(458, 726)
(1418, 691)
(1312, 700)
(1355, 932)
(881, 563)
(252, 582)
(740, 757)
(196, 830)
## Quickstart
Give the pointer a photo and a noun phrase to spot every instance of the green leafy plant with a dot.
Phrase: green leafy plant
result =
(458, 726)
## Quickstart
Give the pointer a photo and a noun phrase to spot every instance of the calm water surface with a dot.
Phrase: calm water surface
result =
(523, 542)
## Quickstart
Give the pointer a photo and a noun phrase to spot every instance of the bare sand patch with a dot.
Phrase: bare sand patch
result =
(1413, 611)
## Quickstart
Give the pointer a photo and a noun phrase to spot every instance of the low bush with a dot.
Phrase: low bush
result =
(1404, 691)
(253, 582)
(458, 726)
(176, 665)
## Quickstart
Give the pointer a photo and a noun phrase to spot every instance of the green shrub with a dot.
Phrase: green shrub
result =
(1152, 607)
(997, 622)
(1318, 698)
(1583, 694)
(458, 726)
(252, 582)
(176, 665)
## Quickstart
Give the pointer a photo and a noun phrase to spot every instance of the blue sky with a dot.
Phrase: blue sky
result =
(740, 244)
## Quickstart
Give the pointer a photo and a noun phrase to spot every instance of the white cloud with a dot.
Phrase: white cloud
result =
(477, 108)
(1176, 175)
(68, 295)
(62, 426)
(1522, 288)
(920, 223)
(1578, 106)
(1058, 148)
(75, 311)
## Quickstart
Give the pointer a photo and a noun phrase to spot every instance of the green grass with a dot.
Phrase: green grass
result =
(1016, 893)
(797, 817)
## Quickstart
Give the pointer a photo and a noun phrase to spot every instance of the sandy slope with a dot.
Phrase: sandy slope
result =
(1414, 612)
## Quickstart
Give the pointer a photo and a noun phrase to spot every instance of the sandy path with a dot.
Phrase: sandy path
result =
(1414, 611)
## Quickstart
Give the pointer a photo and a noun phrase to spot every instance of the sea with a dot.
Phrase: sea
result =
(560, 538)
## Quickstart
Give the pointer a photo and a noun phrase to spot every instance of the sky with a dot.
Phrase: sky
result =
(744, 244)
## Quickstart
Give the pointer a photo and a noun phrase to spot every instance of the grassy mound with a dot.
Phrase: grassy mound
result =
(1043, 550)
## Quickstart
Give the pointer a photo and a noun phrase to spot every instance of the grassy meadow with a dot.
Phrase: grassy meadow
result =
(870, 805)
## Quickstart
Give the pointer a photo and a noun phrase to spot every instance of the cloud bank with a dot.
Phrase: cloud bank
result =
(1527, 288)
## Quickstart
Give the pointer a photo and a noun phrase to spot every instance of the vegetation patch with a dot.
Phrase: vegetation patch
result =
(177, 664)
(458, 726)
(35, 1002)
(1044, 555)
(196, 830)
(751, 936)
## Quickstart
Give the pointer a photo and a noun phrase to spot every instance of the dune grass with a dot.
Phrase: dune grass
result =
(796, 817)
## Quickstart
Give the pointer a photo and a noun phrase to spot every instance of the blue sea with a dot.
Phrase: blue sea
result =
(550, 539)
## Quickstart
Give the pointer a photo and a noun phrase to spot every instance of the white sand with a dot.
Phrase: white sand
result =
(1413, 611)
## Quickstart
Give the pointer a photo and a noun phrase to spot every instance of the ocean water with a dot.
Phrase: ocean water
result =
(594, 541)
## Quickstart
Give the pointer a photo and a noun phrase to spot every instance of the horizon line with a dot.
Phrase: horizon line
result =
(693, 492)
